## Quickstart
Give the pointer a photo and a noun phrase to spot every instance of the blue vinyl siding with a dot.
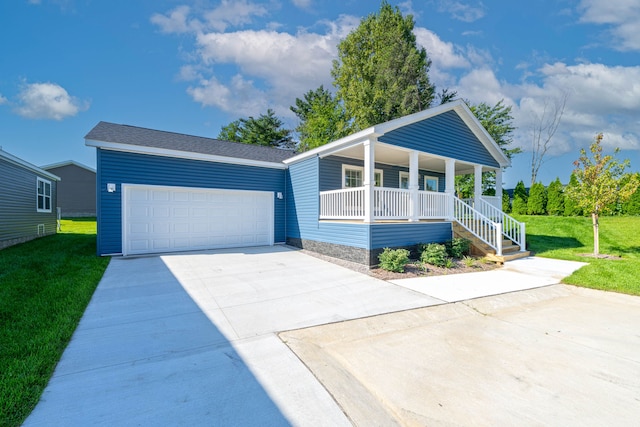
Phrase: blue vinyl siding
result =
(18, 203)
(410, 233)
(129, 168)
(331, 173)
(445, 135)
(303, 210)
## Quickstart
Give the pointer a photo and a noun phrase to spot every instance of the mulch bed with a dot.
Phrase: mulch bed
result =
(413, 269)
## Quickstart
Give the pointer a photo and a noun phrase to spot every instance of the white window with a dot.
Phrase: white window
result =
(352, 176)
(430, 183)
(404, 180)
(43, 203)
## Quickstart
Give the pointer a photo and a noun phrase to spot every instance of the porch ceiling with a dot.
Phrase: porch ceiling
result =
(397, 156)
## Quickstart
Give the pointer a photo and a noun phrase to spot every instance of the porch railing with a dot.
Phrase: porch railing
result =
(487, 222)
(511, 228)
(388, 203)
(479, 225)
(347, 203)
(391, 203)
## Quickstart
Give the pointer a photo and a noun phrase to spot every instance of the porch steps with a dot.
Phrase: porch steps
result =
(510, 251)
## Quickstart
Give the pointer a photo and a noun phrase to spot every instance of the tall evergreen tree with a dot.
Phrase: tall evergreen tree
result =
(537, 203)
(381, 73)
(266, 130)
(520, 197)
(555, 198)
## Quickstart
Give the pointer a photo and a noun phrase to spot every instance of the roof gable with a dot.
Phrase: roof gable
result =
(149, 141)
(466, 126)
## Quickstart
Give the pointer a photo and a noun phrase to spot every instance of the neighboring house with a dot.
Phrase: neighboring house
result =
(28, 201)
(77, 190)
(391, 185)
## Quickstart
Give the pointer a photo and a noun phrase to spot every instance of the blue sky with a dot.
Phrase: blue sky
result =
(194, 66)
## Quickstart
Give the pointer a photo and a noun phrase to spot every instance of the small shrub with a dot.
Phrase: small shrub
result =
(434, 254)
(393, 259)
(448, 263)
(458, 247)
(468, 261)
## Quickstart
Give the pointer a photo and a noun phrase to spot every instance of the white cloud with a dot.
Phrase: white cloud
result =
(273, 68)
(47, 101)
(461, 11)
(176, 21)
(229, 13)
(622, 17)
(302, 4)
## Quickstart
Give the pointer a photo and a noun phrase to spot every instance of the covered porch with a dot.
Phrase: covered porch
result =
(368, 194)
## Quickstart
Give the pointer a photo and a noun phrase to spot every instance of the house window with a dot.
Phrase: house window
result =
(352, 176)
(404, 180)
(43, 203)
(430, 183)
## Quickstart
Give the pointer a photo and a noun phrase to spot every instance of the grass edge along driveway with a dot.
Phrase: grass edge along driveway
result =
(569, 238)
(45, 286)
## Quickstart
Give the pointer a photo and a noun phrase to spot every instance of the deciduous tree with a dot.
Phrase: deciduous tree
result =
(322, 119)
(600, 184)
(381, 73)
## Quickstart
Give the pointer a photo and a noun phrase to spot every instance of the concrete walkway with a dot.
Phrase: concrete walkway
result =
(191, 339)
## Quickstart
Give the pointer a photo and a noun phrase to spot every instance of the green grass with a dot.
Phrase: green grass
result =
(569, 238)
(45, 286)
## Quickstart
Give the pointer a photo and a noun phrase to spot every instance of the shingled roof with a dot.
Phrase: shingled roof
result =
(137, 136)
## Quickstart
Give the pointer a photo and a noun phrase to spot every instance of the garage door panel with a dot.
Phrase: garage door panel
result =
(175, 219)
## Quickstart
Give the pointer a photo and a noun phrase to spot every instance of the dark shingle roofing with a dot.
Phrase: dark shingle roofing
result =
(132, 135)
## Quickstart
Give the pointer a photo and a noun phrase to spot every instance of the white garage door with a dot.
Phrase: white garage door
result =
(167, 219)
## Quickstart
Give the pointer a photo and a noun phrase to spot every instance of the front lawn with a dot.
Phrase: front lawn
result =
(570, 237)
(45, 286)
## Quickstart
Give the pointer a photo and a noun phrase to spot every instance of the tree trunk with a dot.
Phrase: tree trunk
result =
(596, 236)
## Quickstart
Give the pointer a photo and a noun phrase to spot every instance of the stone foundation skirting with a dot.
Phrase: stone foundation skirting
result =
(368, 257)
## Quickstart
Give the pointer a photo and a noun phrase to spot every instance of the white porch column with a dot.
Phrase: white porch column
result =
(477, 182)
(450, 184)
(369, 181)
(414, 186)
(499, 184)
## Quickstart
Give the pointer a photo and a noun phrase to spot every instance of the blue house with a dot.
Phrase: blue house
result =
(391, 185)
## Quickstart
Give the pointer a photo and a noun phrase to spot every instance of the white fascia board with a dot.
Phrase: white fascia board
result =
(335, 146)
(139, 149)
(33, 168)
(67, 163)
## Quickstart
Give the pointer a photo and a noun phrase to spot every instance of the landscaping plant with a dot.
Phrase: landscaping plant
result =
(458, 247)
(434, 254)
(393, 259)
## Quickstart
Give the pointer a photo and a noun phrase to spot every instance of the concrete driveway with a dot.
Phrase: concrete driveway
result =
(192, 339)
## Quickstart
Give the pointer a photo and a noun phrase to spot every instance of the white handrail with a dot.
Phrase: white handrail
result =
(511, 228)
(477, 224)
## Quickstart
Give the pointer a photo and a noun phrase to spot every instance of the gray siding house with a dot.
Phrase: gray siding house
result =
(28, 201)
(76, 190)
(391, 185)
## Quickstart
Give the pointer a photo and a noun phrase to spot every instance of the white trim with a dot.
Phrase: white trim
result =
(45, 197)
(427, 177)
(33, 168)
(346, 166)
(127, 187)
(67, 163)
(138, 149)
